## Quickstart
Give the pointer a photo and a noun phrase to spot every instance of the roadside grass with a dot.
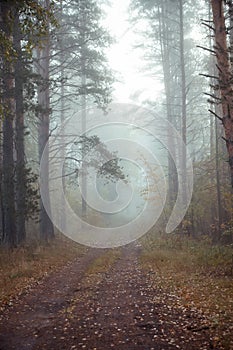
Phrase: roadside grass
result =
(199, 274)
(104, 262)
(98, 267)
(23, 266)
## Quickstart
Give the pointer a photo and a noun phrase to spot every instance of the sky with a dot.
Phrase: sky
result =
(126, 60)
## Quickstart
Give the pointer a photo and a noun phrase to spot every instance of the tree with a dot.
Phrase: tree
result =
(88, 152)
(81, 63)
(183, 100)
(8, 112)
(79, 52)
(43, 95)
(224, 75)
(22, 24)
(167, 47)
(20, 168)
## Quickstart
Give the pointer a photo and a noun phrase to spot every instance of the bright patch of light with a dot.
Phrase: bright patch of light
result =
(133, 84)
(198, 33)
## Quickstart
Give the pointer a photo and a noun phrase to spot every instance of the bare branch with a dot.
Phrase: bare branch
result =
(227, 141)
(208, 26)
(206, 48)
(213, 96)
(206, 20)
(52, 130)
(209, 76)
(217, 116)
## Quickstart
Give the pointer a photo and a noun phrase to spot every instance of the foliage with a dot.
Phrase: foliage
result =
(94, 152)
(32, 195)
(80, 63)
(33, 23)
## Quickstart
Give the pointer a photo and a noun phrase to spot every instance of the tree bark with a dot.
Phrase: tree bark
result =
(83, 106)
(43, 56)
(183, 99)
(10, 237)
(224, 72)
(168, 79)
(19, 137)
(62, 118)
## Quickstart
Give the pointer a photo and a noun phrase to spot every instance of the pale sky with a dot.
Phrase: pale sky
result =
(126, 60)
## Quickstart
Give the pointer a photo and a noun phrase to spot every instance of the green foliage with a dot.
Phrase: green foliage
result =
(33, 26)
(32, 195)
(95, 153)
(7, 51)
(33, 22)
(79, 51)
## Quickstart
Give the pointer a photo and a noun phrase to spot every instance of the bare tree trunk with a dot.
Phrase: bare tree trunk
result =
(1, 203)
(183, 98)
(19, 137)
(224, 72)
(218, 188)
(84, 174)
(165, 53)
(83, 115)
(62, 118)
(214, 140)
(43, 55)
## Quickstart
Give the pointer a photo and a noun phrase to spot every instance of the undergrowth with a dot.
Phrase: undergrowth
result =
(21, 267)
(104, 262)
(199, 273)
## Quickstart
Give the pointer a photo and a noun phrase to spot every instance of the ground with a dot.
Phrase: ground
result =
(103, 299)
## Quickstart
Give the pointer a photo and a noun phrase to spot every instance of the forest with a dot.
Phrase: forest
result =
(116, 174)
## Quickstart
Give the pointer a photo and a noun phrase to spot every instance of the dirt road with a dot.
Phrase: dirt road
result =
(81, 307)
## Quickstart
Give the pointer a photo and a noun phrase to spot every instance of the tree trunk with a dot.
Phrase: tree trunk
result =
(168, 79)
(1, 204)
(83, 106)
(84, 174)
(218, 188)
(62, 118)
(43, 54)
(214, 141)
(183, 99)
(19, 137)
(224, 72)
(10, 237)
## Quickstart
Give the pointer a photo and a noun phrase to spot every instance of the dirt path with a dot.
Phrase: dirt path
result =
(116, 308)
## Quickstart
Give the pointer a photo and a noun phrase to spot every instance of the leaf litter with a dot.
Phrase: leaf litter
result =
(101, 301)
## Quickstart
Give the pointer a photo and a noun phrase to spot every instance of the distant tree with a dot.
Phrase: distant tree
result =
(20, 168)
(43, 95)
(79, 51)
(80, 63)
(95, 153)
(167, 46)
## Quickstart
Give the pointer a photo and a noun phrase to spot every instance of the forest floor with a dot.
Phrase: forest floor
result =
(101, 300)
